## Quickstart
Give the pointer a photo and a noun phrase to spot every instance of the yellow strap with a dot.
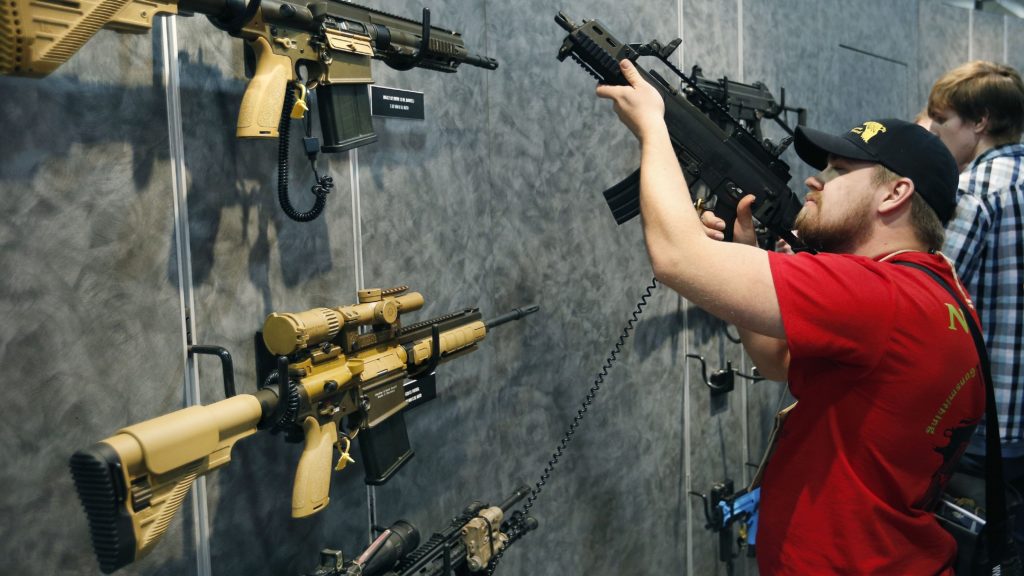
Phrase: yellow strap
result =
(344, 459)
(300, 108)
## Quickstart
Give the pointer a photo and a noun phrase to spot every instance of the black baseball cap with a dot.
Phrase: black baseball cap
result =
(903, 147)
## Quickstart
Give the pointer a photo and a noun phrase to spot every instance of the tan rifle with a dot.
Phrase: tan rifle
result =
(347, 361)
(325, 44)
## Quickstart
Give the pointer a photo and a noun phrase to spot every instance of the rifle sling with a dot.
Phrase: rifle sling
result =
(995, 497)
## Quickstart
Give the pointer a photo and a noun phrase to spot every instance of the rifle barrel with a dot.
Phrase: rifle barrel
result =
(515, 314)
(515, 497)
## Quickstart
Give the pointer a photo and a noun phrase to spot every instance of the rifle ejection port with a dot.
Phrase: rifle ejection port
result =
(735, 191)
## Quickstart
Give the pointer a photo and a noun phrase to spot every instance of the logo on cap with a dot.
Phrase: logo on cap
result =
(869, 130)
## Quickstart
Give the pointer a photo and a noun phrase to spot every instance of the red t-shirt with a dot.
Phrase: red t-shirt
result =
(889, 392)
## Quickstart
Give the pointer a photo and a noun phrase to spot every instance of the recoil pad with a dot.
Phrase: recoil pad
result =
(100, 486)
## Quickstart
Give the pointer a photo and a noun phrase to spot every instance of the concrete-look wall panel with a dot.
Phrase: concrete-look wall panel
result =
(874, 46)
(1015, 43)
(866, 64)
(89, 294)
(987, 37)
(716, 431)
(554, 148)
(943, 32)
(874, 102)
(770, 30)
(711, 38)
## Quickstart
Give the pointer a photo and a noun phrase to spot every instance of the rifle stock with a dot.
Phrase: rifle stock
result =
(133, 483)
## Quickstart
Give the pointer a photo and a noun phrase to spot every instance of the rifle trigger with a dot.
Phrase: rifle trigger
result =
(300, 108)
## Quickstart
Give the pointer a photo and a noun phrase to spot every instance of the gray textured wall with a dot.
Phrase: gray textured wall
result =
(492, 201)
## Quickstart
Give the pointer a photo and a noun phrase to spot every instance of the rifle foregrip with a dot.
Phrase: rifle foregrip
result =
(96, 472)
(311, 491)
(451, 341)
(260, 113)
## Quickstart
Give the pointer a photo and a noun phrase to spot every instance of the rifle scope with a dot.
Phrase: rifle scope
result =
(389, 548)
(288, 333)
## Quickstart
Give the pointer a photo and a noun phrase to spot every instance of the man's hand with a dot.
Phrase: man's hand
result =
(639, 106)
(742, 229)
(783, 247)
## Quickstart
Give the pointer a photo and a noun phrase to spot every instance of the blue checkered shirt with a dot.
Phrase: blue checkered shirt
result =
(985, 240)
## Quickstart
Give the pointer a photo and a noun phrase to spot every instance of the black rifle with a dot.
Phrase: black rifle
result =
(463, 547)
(711, 145)
(748, 103)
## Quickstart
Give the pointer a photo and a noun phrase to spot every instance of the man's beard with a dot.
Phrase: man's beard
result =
(837, 237)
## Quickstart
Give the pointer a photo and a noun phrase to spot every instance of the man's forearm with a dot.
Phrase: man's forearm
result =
(709, 273)
(670, 221)
(770, 355)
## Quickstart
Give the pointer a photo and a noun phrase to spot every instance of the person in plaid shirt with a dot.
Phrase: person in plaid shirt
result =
(977, 110)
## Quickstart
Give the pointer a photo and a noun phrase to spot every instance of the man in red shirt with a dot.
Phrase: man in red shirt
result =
(878, 355)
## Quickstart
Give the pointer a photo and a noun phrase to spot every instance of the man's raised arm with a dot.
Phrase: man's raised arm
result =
(731, 281)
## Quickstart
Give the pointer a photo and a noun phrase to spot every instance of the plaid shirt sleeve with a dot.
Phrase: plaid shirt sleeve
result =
(965, 235)
(985, 241)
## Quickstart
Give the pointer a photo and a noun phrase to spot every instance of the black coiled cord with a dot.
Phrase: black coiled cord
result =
(324, 183)
(291, 408)
(516, 524)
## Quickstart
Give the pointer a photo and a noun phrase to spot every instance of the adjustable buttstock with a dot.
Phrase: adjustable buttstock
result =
(40, 35)
(133, 483)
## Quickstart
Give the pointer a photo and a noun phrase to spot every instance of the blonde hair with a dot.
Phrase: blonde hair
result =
(927, 226)
(980, 89)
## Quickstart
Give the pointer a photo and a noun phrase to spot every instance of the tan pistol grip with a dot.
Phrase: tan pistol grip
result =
(260, 113)
(310, 494)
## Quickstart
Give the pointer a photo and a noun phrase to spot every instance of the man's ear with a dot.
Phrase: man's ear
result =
(981, 126)
(897, 194)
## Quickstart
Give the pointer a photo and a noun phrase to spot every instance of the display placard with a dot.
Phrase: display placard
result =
(395, 103)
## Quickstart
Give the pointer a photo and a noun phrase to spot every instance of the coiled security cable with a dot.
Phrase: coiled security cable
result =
(324, 184)
(517, 523)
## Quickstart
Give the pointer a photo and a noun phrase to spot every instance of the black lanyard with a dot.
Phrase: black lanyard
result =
(995, 496)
